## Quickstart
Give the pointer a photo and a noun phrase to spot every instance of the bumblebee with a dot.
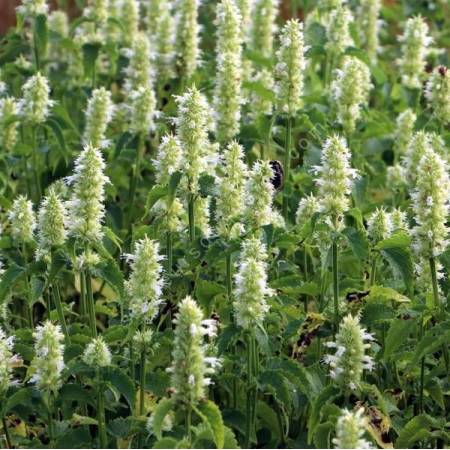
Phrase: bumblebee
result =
(278, 174)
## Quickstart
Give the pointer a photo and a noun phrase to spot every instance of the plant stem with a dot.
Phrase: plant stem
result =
(287, 166)
(229, 276)
(83, 301)
(35, 163)
(189, 421)
(134, 177)
(91, 305)
(101, 413)
(142, 383)
(373, 271)
(169, 237)
(335, 284)
(50, 417)
(59, 309)
(434, 282)
(191, 205)
(252, 363)
(7, 436)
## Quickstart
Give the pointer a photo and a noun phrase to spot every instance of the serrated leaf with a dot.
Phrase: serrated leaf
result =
(397, 240)
(358, 242)
(162, 409)
(414, 430)
(432, 340)
(115, 333)
(18, 398)
(210, 414)
(9, 277)
(401, 261)
(166, 442)
(123, 383)
(396, 336)
(277, 384)
(327, 395)
(387, 293)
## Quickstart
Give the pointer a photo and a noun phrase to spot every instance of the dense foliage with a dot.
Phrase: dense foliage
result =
(222, 228)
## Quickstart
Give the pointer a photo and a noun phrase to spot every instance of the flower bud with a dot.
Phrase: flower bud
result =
(97, 353)
(8, 129)
(35, 104)
(350, 429)
(437, 92)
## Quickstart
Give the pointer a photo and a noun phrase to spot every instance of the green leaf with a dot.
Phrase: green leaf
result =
(207, 290)
(433, 339)
(173, 184)
(401, 261)
(387, 293)
(78, 420)
(74, 392)
(166, 442)
(277, 384)
(156, 193)
(111, 273)
(115, 333)
(9, 277)
(90, 54)
(396, 336)
(123, 383)
(162, 409)
(268, 416)
(75, 438)
(54, 126)
(40, 34)
(259, 89)
(358, 242)
(397, 240)
(322, 436)
(413, 430)
(326, 396)
(210, 414)
(18, 398)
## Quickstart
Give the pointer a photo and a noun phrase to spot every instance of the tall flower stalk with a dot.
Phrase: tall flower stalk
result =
(47, 366)
(191, 367)
(250, 308)
(86, 212)
(227, 95)
(289, 71)
(192, 131)
(52, 221)
(334, 187)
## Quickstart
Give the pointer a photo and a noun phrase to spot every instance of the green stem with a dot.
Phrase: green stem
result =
(50, 418)
(335, 284)
(434, 283)
(83, 300)
(101, 413)
(189, 421)
(135, 175)
(422, 371)
(229, 277)
(191, 206)
(373, 271)
(287, 166)
(248, 428)
(142, 383)
(7, 436)
(169, 237)
(91, 304)
(59, 309)
(35, 163)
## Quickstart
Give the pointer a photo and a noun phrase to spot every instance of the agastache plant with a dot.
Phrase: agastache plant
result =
(264, 26)
(250, 308)
(335, 181)
(404, 131)
(99, 114)
(370, 23)
(8, 128)
(415, 48)
(188, 38)
(430, 204)
(192, 123)
(350, 91)
(227, 95)
(350, 429)
(437, 92)
(191, 367)
(289, 72)
(350, 358)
